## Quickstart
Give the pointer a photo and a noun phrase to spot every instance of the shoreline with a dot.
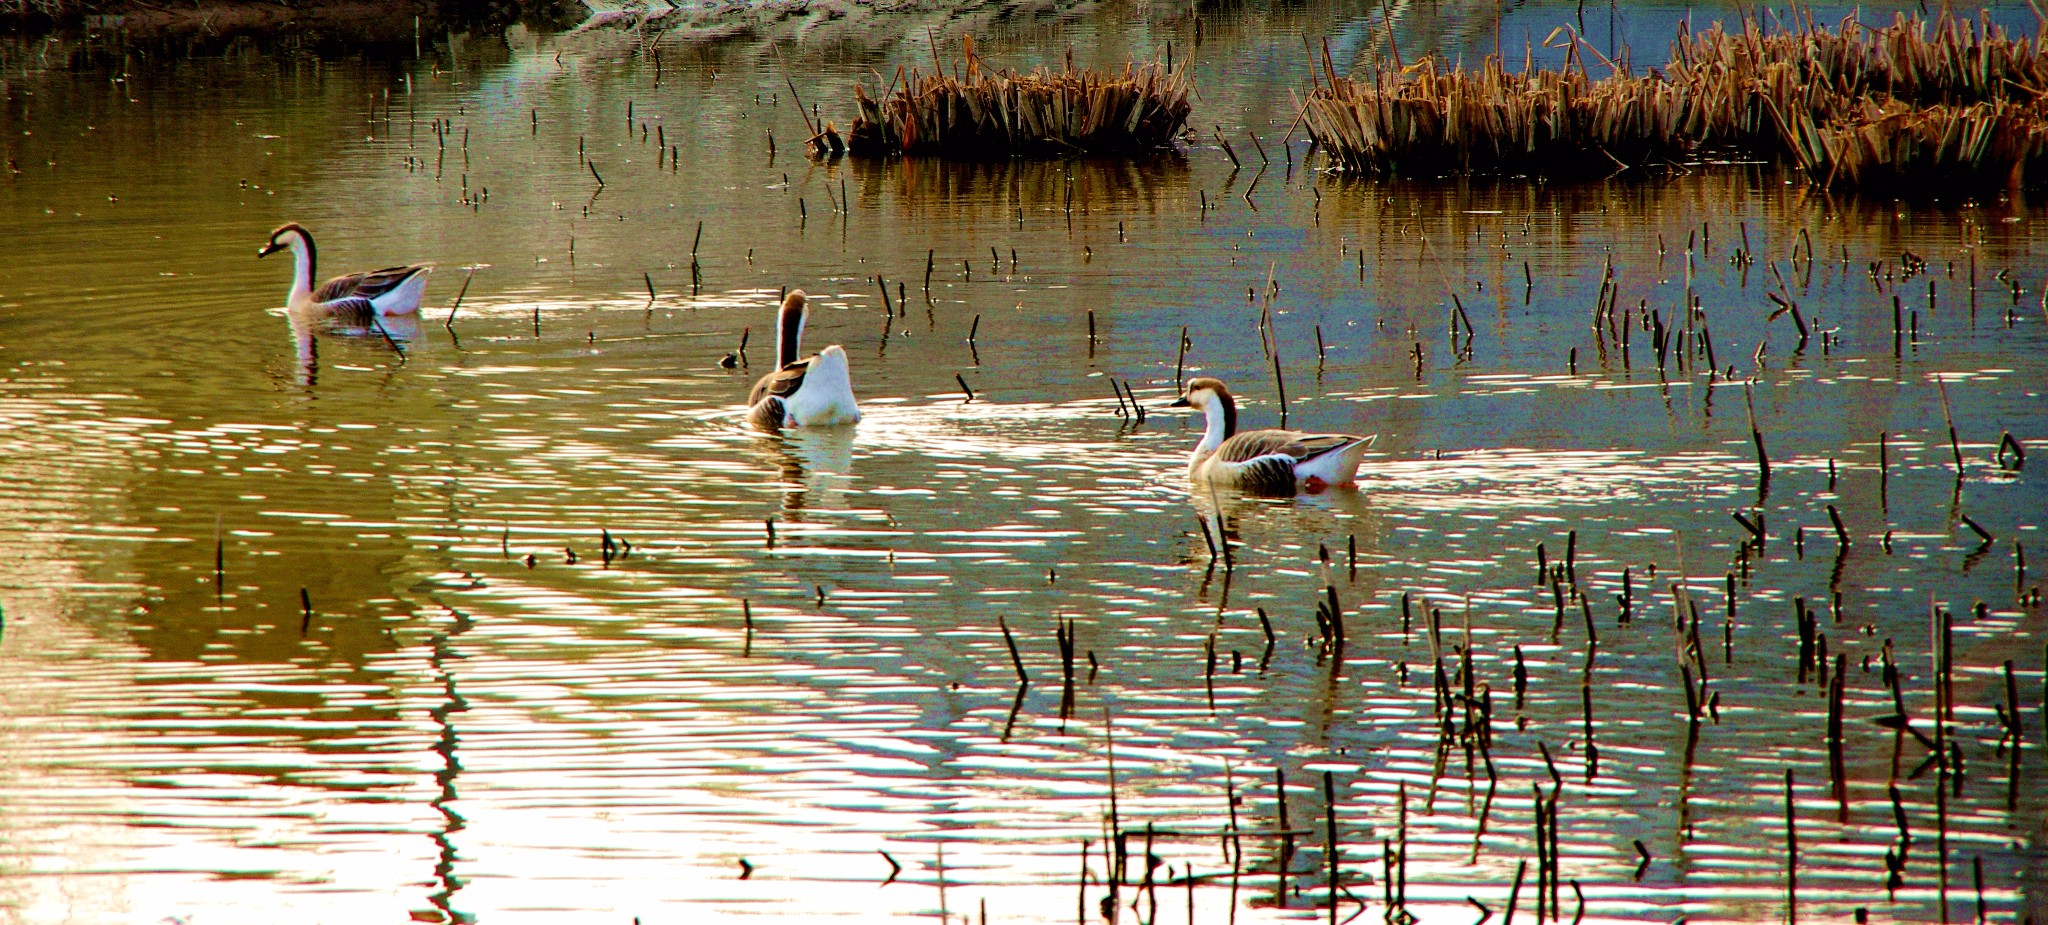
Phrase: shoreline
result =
(358, 23)
(859, 26)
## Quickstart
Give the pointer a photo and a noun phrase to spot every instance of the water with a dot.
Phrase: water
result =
(470, 726)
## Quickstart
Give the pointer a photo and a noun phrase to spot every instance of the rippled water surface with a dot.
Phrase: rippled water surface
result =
(523, 624)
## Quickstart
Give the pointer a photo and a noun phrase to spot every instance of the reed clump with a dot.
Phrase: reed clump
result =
(1493, 120)
(978, 112)
(1941, 102)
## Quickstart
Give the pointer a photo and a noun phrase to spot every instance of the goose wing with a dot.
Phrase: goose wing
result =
(1291, 446)
(781, 383)
(1271, 474)
(767, 414)
(352, 310)
(371, 285)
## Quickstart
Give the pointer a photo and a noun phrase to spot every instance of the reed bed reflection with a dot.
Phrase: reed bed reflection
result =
(993, 190)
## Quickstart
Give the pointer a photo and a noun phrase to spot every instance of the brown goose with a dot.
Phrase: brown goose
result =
(813, 392)
(390, 291)
(1268, 462)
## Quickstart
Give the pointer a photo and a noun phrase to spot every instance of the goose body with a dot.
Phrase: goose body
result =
(1268, 462)
(813, 392)
(390, 291)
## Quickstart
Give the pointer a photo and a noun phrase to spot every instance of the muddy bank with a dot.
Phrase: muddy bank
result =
(852, 27)
(361, 25)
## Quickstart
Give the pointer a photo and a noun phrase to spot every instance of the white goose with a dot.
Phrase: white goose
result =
(813, 392)
(390, 291)
(1267, 462)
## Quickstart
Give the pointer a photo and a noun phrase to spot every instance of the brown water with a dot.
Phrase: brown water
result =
(470, 725)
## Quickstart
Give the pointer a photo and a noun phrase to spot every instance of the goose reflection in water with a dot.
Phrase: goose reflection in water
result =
(391, 333)
(1345, 525)
(815, 465)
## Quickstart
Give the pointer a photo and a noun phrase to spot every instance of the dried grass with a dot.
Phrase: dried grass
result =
(981, 113)
(1944, 102)
(1543, 122)
(1948, 101)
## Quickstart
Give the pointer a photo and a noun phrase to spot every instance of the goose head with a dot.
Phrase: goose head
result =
(292, 235)
(1212, 398)
(1201, 393)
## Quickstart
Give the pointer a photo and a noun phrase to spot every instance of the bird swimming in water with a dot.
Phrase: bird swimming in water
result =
(390, 291)
(812, 392)
(1267, 462)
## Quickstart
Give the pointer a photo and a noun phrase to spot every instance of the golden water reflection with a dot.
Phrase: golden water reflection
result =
(422, 684)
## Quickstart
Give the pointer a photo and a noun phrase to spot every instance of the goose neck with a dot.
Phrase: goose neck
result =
(302, 268)
(1222, 423)
(789, 333)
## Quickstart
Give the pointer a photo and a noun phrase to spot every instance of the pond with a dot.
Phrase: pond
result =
(503, 614)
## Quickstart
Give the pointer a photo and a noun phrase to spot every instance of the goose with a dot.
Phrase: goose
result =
(813, 392)
(390, 291)
(1269, 462)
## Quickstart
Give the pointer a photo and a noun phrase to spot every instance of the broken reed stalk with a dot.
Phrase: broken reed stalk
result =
(1556, 867)
(452, 309)
(1280, 386)
(1223, 543)
(1235, 164)
(977, 112)
(1838, 771)
(1763, 462)
(1543, 858)
(1791, 856)
(1180, 359)
(2010, 445)
(1949, 419)
(1286, 833)
(1515, 892)
(220, 575)
(1015, 659)
(1330, 829)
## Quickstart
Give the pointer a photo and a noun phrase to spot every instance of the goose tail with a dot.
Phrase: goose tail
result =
(405, 298)
(1339, 466)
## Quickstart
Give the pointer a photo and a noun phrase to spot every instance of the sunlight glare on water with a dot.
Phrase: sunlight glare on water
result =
(526, 624)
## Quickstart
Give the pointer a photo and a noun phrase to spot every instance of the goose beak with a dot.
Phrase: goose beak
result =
(1181, 402)
(268, 249)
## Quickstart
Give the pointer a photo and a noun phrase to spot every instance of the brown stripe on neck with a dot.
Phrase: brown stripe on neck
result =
(789, 337)
(1229, 414)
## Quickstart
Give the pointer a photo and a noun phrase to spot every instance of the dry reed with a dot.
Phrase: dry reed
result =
(1937, 103)
(979, 113)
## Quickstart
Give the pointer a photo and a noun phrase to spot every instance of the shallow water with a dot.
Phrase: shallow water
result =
(485, 717)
